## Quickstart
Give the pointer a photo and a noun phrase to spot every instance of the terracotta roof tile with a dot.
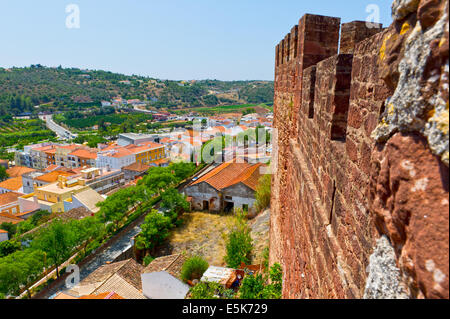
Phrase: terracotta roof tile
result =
(105, 295)
(17, 171)
(9, 218)
(137, 167)
(53, 176)
(230, 173)
(171, 264)
(12, 184)
(91, 154)
(8, 198)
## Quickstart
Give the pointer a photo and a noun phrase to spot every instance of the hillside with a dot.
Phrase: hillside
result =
(23, 88)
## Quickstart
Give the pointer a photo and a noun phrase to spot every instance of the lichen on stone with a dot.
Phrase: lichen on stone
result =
(410, 105)
(401, 8)
(384, 279)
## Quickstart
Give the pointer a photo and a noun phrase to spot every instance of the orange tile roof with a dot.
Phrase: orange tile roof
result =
(161, 161)
(3, 231)
(24, 213)
(121, 152)
(17, 171)
(8, 198)
(53, 176)
(91, 154)
(9, 218)
(12, 184)
(167, 140)
(137, 167)
(134, 149)
(105, 295)
(219, 128)
(71, 147)
(152, 144)
(230, 173)
(49, 148)
(62, 295)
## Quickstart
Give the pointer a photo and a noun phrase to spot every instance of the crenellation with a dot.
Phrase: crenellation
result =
(354, 32)
(332, 192)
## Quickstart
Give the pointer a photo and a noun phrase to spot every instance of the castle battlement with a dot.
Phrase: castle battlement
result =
(340, 195)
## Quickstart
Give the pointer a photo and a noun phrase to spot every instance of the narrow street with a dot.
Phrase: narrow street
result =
(116, 246)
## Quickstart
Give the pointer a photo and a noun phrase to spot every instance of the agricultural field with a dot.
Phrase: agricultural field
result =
(18, 133)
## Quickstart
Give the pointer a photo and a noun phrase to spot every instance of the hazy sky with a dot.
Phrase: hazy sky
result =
(168, 39)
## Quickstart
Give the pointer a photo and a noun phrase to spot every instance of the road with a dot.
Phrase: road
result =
(59, 130)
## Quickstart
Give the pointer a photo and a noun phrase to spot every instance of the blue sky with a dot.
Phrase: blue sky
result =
(167, 39)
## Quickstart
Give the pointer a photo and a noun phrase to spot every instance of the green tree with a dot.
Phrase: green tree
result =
(86, 230)
(182, 170)
(57, 240)
(3, 174)
(157, 179)
(155, 230)
(174, 202)
(8, 247)
(117, 206)
(20, 269)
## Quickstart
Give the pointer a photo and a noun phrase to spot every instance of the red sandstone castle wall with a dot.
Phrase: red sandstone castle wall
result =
(336, 188)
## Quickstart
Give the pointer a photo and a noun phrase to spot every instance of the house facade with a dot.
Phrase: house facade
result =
(227, 187)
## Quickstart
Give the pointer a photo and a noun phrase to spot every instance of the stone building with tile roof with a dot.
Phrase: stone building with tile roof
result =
(229, 186)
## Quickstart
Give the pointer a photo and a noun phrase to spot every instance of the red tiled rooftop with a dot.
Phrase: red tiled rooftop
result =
(12, 184)
(8, 198)
(17, 171)
(230, 173)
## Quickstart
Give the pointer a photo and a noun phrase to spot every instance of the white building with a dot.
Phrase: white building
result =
(115, 158)
(3, 235)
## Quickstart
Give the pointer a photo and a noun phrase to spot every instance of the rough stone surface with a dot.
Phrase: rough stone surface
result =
(402, 8)
(409, 195)
(384, 280)
(417, 103)
(337, 187)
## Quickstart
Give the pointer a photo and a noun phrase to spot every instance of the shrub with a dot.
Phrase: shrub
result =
(257, 287)
(193, 268)
(252, 287)
(239, 246)
(263, 192)
(207, 290)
